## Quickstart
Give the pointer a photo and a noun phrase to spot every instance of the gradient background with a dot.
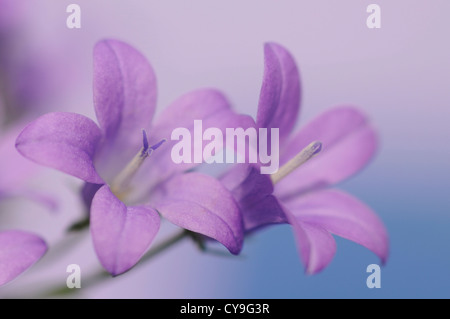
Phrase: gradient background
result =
(399, 75)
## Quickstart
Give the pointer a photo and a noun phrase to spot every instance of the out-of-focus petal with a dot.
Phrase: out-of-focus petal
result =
(279, 101)
(348, 144)
(208, 105)
(64, 141)
(343, 215)
(121, 234)
(124, 99)
(201, 204)
(253, 193)
(19, 250)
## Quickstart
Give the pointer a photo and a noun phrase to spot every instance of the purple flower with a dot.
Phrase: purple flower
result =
(131, 177)
(31, 77)
(19, 250)
(301, 196)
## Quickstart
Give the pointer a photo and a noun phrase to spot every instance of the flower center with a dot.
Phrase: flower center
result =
(301, 158)
(121, 183)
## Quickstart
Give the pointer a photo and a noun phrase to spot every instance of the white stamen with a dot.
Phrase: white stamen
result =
(122, 181)
(301, 158)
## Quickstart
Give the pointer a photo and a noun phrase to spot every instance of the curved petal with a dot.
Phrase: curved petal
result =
(208, 105)
(121, 234)
(279, 101)
(203, 205)
(19, 250)
(316, 246)
(345, 216)
(64, 141)
(348, 144)
(253, 193)
(124, 99)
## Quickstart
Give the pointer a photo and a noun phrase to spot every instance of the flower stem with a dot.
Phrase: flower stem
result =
(101, 275)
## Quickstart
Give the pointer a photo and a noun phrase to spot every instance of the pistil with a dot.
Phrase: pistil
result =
(122, 181)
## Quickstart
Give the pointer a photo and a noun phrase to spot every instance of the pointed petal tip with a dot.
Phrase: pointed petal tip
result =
(274, 45)
(19, 250)
(201, 204)
(63, 141)
(121, 234)
(279, 100)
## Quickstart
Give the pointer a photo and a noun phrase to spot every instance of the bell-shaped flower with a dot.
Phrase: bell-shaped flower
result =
(329, 149)
(130, 176)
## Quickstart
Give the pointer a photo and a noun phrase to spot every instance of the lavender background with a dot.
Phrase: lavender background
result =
(399, 74)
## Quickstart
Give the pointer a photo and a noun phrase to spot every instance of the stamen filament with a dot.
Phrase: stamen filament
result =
(301, 158)
(122, 181)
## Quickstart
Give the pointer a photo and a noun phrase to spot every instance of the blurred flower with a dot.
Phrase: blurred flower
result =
(16, 172)
(19, 250)
(125, 190)
(23, 87)
(31, 76)
(301, 196)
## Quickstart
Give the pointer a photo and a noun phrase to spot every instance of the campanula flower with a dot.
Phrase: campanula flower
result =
(331, 148)
(126, 162)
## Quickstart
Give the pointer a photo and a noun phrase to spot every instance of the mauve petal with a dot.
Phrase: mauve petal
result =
(19, 250)
(124, 99)
(345, 216)
(201, 204)
(279, 101)
(253, 193)
(121, 234)
(208, 105)
(316, 246)
(348, 144)
(64, 141)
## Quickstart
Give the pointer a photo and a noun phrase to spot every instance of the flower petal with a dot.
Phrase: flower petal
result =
(121, 234)
(279, 101)
(316, 246)
(348, 143)
(19, 250)
(208, 105)
(201, 204)
(345, 216)
(253, 193)
(64, 141)
(124, 99)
